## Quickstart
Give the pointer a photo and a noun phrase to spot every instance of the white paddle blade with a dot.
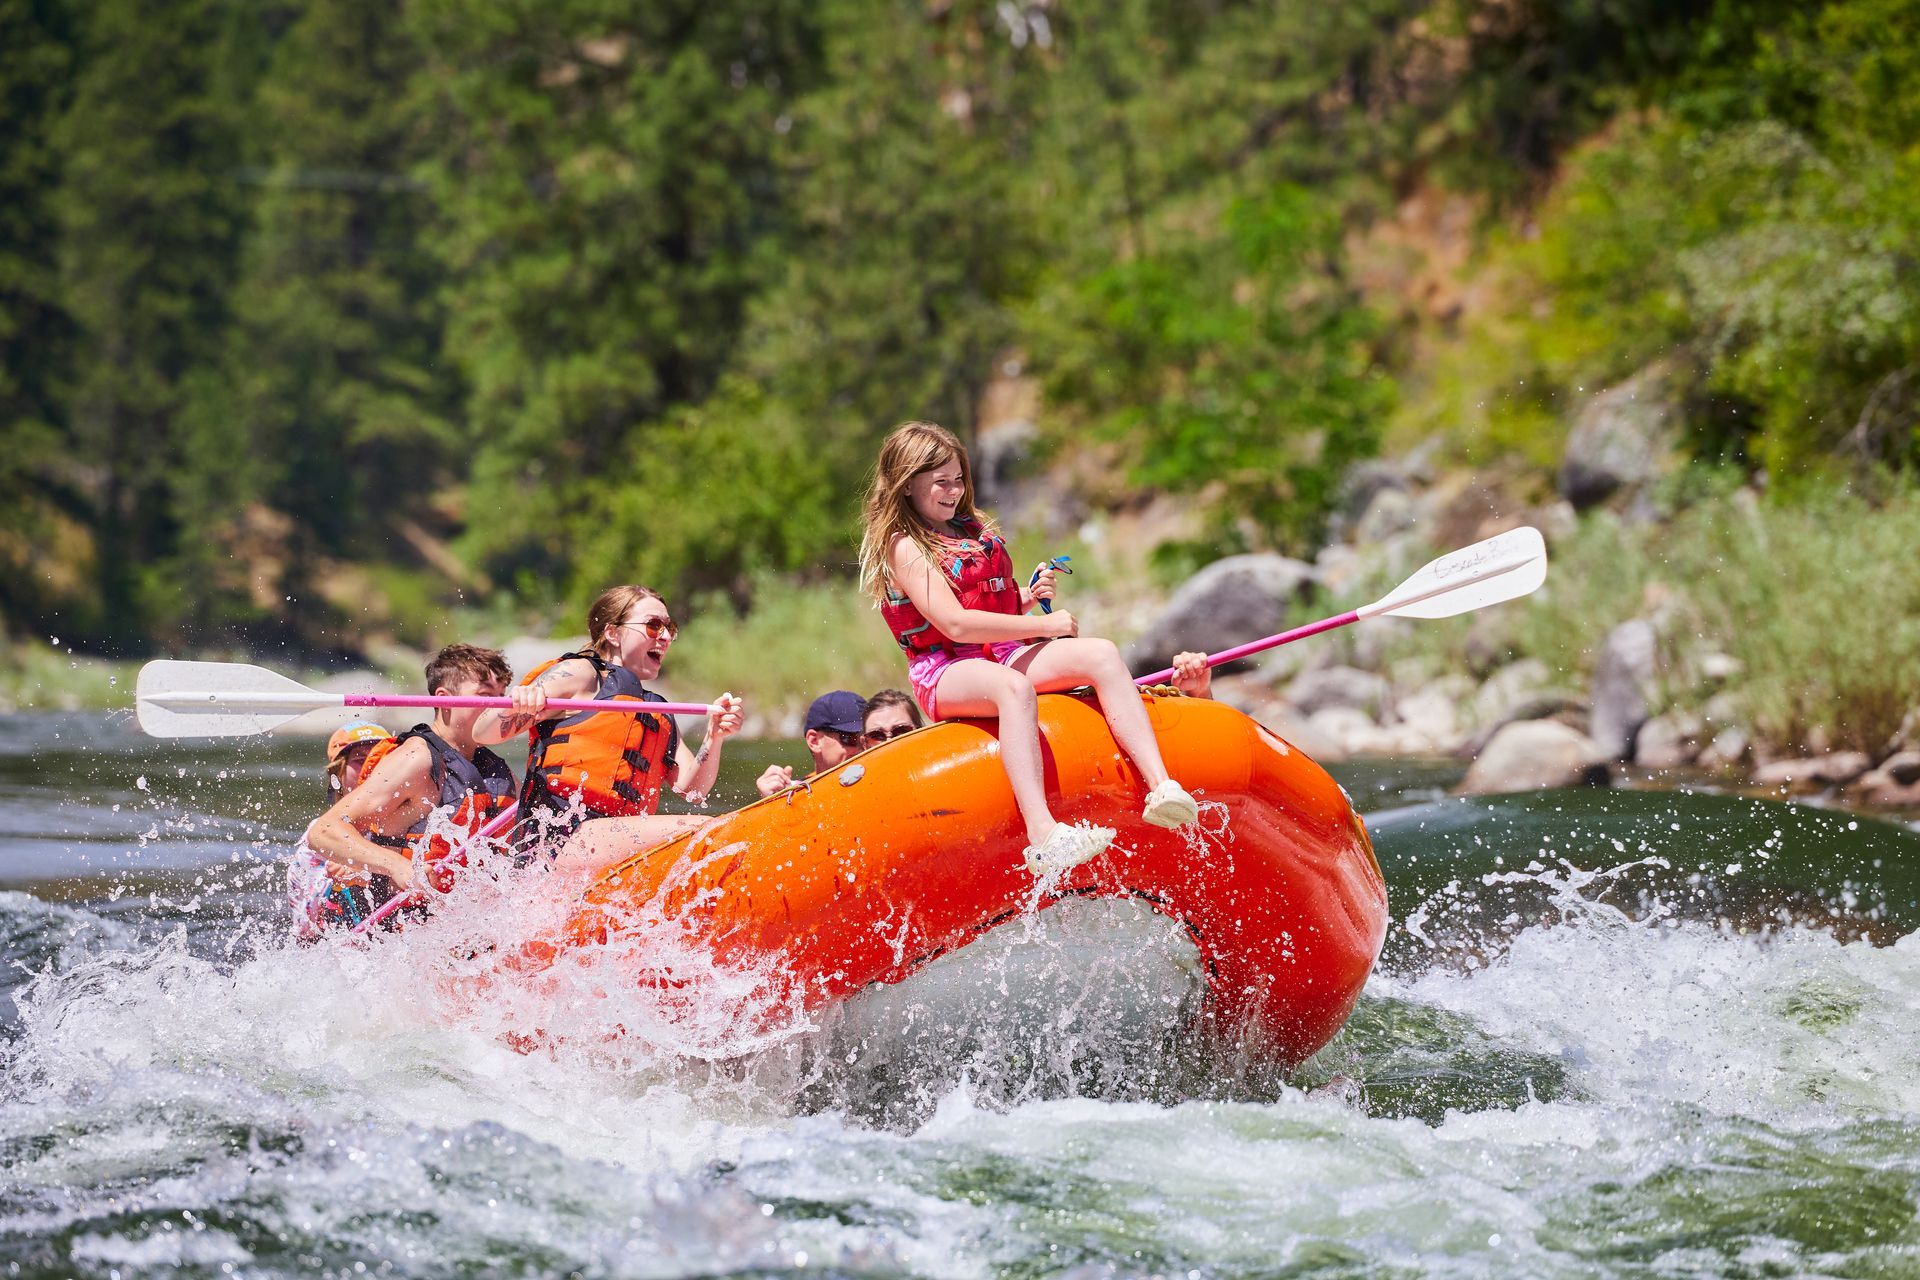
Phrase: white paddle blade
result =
(219, 699)
(1504, 567)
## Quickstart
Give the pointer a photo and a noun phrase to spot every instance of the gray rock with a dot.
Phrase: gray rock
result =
(1363, 483)
(1623, 684)
(1894, 785)
(1902, 767)
(1000, 460)
(1667, 742)
(1547, 705)
(1728, 749)
(1391, 511)
(1879, 790)
(1343, 732)
(1229, 602)
(1508, 688)
(1814, 771)
(1724, 708)
(1534, 754)
(1429, 720)
(1623, 438)
(1557, 520)
(1312, 691)
(1718, 667)
(1488, 646)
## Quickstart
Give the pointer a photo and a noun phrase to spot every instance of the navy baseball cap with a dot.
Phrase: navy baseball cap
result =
(840, 710)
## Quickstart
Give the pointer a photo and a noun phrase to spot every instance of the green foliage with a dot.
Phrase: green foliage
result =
(36, 51)
(149, 226)
(327, 407)
(1815, 598)
(799, 642)
(600, 170)
(1783, 275)
(38, 676)
(1236, 361)
(592, 292)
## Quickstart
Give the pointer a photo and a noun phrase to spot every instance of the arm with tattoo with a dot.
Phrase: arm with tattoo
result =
(562, 680)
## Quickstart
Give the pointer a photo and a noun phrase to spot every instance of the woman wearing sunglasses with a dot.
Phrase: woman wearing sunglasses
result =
(609, 766)
(890, 713)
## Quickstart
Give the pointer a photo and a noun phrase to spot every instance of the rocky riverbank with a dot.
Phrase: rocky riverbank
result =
(1561, 689)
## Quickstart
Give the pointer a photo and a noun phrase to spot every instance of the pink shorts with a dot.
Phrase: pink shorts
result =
(924, 671)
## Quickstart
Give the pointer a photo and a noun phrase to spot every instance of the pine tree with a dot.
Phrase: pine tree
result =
(907, 186)
(332, 391)
(38, 500)
(605, 175)
(150, 212)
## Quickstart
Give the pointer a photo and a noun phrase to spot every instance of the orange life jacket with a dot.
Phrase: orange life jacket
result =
(375, 754)
(471, 792)
(615, 762)
(979, 570)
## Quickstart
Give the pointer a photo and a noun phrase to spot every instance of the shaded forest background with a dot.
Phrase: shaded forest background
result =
(319, 317)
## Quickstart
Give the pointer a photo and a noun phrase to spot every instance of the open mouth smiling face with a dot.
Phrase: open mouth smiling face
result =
(936, 493)
(650, 632)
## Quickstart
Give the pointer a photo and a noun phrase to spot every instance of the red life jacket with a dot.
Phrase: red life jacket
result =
(977, 567)
(616, 762)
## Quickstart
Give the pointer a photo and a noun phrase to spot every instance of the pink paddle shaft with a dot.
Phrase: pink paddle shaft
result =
(498, 823)
(553, 704)
(1256, 646)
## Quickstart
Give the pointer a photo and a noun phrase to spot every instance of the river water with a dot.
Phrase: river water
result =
(1613, 1034)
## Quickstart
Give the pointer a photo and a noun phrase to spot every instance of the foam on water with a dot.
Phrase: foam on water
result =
(1590, 1091)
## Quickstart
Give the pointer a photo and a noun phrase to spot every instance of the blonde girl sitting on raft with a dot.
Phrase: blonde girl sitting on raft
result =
(946, 586)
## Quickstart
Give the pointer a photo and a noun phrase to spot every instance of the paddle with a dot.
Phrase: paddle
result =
(494, 826)
(224, 699)
(1504, 567)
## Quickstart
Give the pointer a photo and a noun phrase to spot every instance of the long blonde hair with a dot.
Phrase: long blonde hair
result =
(909, 450)
(609, 609)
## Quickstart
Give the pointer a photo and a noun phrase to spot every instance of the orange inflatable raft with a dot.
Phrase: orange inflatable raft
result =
(913, 848)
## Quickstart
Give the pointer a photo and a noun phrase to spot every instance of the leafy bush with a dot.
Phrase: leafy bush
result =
(1234, 362)
(797, 643)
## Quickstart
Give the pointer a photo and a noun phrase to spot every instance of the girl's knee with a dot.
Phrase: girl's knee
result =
(1016, 693)
(1103, 658)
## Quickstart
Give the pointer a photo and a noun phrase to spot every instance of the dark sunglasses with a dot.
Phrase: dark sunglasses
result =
(846, 739)
(656, 627)
(881, 735)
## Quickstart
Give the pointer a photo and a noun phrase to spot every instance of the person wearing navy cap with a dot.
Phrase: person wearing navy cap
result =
(835, 732)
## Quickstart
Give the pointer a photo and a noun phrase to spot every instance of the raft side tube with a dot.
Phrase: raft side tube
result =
(914, 848)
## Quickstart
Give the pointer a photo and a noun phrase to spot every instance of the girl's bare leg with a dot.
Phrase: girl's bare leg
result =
(977, 688)
(1068, 664)
(600, 843)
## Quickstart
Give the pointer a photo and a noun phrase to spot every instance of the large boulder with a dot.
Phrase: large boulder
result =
(1623, 438)
(1325, 687)
(1229, 602)
(1429, 718)
(1533, 754)
(1623, 685)
(1826, 770)
(1391, 511)
(1001, 457)
(1894, 785)
(1668, 742)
